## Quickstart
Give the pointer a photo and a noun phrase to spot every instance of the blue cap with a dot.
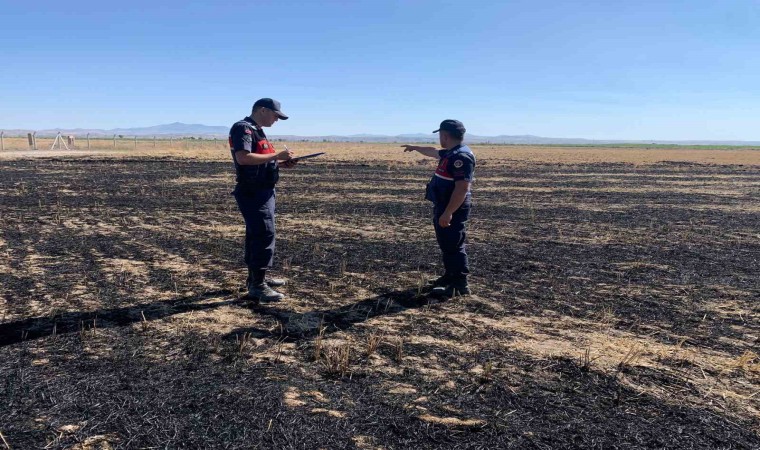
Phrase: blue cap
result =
(272, 104)
(451, 125)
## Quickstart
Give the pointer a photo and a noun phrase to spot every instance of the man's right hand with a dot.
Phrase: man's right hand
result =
(427, 151)
(284, 155)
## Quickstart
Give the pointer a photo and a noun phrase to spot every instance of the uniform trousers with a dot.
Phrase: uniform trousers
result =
(257, 208)
(452, 241)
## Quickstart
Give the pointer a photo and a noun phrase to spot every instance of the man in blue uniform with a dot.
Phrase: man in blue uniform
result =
(257, 170)
(449, 190)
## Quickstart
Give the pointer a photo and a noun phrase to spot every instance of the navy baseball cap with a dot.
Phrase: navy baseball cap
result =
(272, 104)
(452, 125)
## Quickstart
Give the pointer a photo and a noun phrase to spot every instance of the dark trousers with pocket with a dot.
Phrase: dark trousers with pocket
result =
(452, 241)
(257, 208)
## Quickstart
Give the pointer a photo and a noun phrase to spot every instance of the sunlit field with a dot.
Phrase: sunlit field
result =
(217, 150)
(615, 301)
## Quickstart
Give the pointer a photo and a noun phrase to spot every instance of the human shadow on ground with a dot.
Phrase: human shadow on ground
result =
(71, 322)
(295, 326)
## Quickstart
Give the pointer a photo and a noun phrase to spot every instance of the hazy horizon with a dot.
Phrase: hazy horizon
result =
(184, 130)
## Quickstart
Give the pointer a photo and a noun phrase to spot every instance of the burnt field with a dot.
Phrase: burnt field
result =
(615, 306)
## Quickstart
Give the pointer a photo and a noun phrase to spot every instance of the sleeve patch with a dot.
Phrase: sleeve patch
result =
(241, 138)
(462, 169)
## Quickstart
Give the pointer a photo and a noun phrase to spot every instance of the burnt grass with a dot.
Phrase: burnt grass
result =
(98, 354)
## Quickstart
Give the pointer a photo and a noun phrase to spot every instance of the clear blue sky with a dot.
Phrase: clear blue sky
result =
(594, 69)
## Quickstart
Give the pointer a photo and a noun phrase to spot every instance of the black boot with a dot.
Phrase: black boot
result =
(263, 293)
(256, 275)
(441, 281)
(457, 286)
(258, 288)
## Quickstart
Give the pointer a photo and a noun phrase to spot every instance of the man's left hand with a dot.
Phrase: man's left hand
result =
(287, 164)
(445, 220)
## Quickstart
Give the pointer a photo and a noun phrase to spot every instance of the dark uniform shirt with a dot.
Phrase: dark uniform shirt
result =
(456, 164)
(248, 136)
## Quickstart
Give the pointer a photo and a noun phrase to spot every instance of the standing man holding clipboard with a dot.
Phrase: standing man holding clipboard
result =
(257, 168)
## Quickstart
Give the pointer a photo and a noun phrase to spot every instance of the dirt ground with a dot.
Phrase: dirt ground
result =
(616, 303)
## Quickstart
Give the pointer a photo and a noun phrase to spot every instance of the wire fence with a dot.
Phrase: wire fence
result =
(118, 142)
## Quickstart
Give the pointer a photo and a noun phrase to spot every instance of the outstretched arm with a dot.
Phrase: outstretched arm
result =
(427, 151)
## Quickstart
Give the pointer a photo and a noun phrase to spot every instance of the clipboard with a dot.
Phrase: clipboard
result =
(313, 155)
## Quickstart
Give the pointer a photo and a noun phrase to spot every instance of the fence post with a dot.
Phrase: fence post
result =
(114, 141)
(154, 141)
(171, 141)
(2, 143)
(88, 141)
(34, 140)
(135, 142)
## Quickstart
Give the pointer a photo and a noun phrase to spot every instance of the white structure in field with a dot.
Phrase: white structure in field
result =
(60, 142)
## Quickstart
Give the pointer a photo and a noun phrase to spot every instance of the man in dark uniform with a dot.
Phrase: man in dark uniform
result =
(257, 169)
(449, 190)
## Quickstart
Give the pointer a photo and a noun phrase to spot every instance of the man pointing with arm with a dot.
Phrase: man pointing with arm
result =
(449, 190)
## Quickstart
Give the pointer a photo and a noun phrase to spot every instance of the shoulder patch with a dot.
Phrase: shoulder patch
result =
(458, 163)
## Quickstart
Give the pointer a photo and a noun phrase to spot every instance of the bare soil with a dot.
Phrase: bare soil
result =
(615, 306)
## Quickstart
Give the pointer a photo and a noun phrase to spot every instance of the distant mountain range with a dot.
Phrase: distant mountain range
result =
(179, 130)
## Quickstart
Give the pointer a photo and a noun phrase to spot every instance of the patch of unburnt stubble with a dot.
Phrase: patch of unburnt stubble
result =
(615, 307)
